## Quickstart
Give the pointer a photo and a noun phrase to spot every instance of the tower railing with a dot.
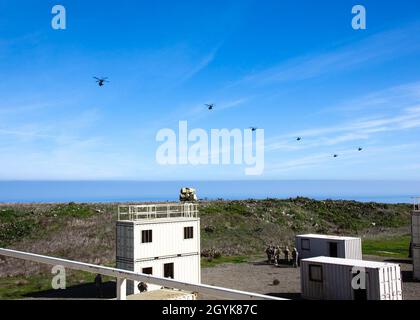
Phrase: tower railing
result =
(157, 211)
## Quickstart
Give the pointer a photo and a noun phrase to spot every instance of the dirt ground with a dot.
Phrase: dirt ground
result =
(258, 277)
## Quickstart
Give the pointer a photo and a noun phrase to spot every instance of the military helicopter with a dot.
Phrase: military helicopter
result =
(101, 81)
(298, 139)
(360, 149)
(253, 129)
(210, 106)
(336, 156)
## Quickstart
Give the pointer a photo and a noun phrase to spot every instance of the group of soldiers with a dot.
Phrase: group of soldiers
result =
(274, 256)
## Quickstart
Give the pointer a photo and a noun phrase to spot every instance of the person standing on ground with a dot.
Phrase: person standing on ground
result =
(267, 252)
(276, 256)
(98, 284)
(286, 255)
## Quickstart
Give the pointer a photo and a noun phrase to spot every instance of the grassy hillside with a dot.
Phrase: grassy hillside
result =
(245, 227)
(235, 229)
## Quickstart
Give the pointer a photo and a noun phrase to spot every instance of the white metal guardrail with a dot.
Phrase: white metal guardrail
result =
(157, 211)
(123, 275)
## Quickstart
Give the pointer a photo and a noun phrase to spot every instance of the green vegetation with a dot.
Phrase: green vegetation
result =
(14, 225)
(18, 287)
(72, 210)
(396, 247)
(12, 288)
(246, 227)
(36, 221)
(208, 263)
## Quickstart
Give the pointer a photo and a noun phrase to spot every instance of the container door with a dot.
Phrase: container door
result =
(333, 249)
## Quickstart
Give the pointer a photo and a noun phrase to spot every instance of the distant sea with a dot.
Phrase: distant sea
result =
(149, 191)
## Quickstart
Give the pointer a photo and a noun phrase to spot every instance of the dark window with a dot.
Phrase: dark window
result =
(146, 236)
(306, 244)
(315, 273)
(148, 271)
(188, 232)
(168, 270)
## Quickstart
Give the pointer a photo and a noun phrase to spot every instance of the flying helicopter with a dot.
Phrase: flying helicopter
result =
(101, 81)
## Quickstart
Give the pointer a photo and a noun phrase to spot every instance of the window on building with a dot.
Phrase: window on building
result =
(306, 244)
(188, 232)
(146, 236)
(168, 270)
(315, 273)
(148, 271)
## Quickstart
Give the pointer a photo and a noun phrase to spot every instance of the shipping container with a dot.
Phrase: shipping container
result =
(313, 245)
(416, 262)
(160, 240)
(326, 278)
(415, 227)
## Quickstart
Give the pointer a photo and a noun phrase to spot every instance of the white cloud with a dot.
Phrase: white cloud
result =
(362, 128)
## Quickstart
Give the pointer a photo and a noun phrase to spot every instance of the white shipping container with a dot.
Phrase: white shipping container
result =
(185, 268)
(415, 227)
(416, 262)
(167, 238)
(313, 245)
(325, 278)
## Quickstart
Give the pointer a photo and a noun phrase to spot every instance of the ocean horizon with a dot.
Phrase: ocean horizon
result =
(162, 191)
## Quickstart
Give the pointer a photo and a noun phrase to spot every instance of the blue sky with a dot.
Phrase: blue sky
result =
(292, 68)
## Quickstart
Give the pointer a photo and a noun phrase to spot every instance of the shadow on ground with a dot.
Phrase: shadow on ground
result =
(83, 291)
(408, 276)
(400, 261)
(288, 295)
(283, 264)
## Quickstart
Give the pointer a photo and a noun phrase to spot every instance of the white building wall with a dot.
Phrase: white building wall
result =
(168, 239)
(186, 268)
(347, 248)
(353, 249)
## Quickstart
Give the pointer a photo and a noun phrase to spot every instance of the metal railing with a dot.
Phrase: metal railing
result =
(157, 211)
(123, 275)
